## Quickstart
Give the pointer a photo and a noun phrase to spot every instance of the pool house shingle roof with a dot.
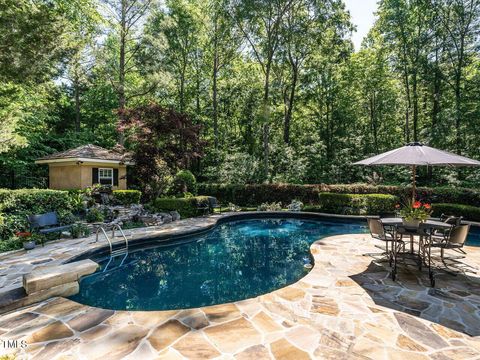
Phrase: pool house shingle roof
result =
(85, 153)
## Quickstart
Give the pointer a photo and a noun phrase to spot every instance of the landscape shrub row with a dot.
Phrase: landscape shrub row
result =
(357, 204)
(254, 194)
(186, 207)
(468, 212)
(15, 205)
(126, 197)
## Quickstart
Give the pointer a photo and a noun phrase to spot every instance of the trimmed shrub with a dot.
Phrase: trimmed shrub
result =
(186, 207)
(34, 201)
(467, 211)
(15, 205)
(183, 182)
(126, 197)
(252, 195)
(357, 204)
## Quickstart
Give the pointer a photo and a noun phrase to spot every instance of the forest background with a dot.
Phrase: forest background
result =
(271, 90)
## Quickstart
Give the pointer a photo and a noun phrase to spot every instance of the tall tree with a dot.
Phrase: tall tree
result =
(460, 20)
(260, 22)
(125, 18)
(221, 46)
(406, 24)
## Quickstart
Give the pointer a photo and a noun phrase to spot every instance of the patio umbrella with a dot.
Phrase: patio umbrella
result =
(416, 154)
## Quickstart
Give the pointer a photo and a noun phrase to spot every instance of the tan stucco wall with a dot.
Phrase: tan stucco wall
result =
(65, 177)
(73, 176)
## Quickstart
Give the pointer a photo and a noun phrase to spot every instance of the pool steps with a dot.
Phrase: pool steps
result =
(46, 282)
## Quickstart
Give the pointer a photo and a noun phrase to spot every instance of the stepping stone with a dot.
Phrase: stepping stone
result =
(283, 350)
(54, 331)
(234, 335)
(257, 352)
(417, 330)
(115, 345)
(167, 333)
(195, 346)
(220, 313)
(90, 319)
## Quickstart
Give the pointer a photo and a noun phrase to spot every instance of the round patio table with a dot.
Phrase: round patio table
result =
(425, 229)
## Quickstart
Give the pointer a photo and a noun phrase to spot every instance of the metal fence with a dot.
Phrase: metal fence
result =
(12, 180)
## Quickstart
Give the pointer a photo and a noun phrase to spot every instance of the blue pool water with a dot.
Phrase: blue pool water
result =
(236, 260)
(474, 236)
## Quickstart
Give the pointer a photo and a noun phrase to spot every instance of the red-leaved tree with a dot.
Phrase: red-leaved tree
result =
(162, 141)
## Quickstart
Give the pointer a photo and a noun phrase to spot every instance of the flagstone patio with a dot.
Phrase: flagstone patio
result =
(347, 307)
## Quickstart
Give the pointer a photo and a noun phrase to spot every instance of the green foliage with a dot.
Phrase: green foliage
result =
(355, 204)
(184, 182)
(94, 215)
(186, 207)
(254, 194)
(132, 225)
(79, 231)
(416, 211)
(279, 91)
(126, 197)
(10, 244)
(17, 204)
(468, 212)
(235, 168)
(34, 200)
(78, 201)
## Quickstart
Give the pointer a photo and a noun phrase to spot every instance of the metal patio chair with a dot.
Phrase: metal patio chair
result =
(453, 238)
(382, 232)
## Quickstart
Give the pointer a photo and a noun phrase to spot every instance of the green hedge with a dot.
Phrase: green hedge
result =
(15, 205)
(33, 200)
(467, 211)
(357, 204)
(126, 197)
(254, 194)
(187, 207)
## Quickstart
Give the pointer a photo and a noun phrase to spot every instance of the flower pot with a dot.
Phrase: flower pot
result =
(414, 223)
(29, 245)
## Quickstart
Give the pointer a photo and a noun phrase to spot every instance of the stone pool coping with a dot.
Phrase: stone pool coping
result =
(345, 307)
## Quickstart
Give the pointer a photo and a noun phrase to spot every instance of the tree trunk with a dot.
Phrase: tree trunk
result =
(121, 72)
(373, 120)
(436, 99)
(214, 86)
(291, 99)
(458, 99)
(182, 85)
(415, 106)
(407, 112)
(76, 87)
(266, 119)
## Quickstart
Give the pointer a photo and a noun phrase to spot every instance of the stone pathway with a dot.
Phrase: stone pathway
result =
(347, 307)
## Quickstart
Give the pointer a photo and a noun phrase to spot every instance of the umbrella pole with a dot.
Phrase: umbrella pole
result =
(414, 175)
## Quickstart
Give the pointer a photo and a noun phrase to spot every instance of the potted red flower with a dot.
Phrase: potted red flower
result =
(415, 213)
(26, 237)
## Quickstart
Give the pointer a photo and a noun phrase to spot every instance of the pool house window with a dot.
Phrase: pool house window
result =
(105, 176)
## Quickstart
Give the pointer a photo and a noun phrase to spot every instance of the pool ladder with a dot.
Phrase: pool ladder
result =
(114, 253)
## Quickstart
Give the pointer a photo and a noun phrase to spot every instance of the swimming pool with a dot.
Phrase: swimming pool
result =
(236, 260)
